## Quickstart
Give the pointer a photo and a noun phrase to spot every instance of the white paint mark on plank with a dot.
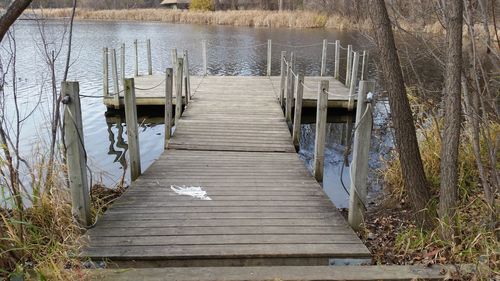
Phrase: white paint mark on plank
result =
(193, 191)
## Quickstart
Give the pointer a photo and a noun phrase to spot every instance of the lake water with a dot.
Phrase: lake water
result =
(231, 51)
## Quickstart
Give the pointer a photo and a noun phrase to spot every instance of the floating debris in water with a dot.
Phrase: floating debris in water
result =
(193, 191)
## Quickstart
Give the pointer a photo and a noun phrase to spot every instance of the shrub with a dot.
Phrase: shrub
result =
(202, 5)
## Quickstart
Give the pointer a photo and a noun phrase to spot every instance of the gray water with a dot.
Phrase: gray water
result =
(231, 51)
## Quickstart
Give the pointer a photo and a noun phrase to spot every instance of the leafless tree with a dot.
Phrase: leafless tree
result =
(448, 195)
(404, 128)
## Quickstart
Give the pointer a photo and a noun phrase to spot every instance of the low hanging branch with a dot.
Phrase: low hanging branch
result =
(13, 12)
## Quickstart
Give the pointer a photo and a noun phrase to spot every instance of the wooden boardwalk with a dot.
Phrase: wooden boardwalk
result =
(151, 89)
(266, 208)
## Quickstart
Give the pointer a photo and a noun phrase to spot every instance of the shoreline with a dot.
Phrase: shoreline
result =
(243, 18)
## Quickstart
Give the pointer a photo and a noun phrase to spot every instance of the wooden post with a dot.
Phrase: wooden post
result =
(132, 130)
(136, 51)
(361, 150)
(353, 81)
(336, 74)
(283, 78)
(122, 64)
(105, 72)
(168, 104)
(174, 67)
(348, 66)
(187, 79)
(319, 144)
(297, 116)
(178, 90)
(150, 61)
(114, 74)
(269, 56)
(323, 57)
(75, 153)
(289, 91)
(204, 54)
(364, 65)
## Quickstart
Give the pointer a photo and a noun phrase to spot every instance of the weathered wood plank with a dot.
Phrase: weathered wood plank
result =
(282, 273)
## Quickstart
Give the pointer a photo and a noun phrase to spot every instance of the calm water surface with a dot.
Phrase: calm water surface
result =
(232, 51)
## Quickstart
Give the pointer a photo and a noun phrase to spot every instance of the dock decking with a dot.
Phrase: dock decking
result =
(151, 89)
(266, 208)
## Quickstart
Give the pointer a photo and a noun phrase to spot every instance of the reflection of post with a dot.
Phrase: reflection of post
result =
(132, 130)
(269, 56)
(168, 105)
(336, 74)
(360, 156)
(283, 78)
(323, 57)
(297, 116)
(178, 91)
(105, 75)
(319, 144)
(353, 81)
(75, 153)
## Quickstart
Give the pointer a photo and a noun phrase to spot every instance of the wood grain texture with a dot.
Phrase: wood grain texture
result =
(283, 273)
(266, 209)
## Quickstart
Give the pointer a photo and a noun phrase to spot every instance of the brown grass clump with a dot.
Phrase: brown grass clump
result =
(391, 232)
(47, 244)
(251, 18)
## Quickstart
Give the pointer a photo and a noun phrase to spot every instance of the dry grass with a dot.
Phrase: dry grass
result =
(476, 238)
(251, 18)
(50, 238)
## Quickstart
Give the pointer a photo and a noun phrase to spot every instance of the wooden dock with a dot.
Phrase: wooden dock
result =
(265, 209)
(151, 89)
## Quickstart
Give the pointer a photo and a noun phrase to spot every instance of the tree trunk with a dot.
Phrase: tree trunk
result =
(404, 128)
(14, 10)
(448, 194)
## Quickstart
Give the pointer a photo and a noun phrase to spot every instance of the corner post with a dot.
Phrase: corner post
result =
(75, 153)
(136, 52)
(204, 54)
(348, 66)
(269, 56)
(297, 116)
(364, 65)
(360, 156)
(319, 143)
(336, 74)
(323, 57)
(353, 81)
(105, 72)
(168, 104)
(289, 91)
(187, 79)
(150, 61)
(178, 90)
(283, 78)
(132, 129)
(114, 73)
